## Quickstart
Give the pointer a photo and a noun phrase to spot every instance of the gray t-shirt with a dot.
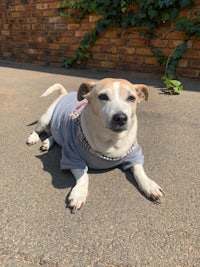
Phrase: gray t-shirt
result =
(76, 152)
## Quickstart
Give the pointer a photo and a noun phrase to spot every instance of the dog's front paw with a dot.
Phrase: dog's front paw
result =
(152, 190)
(77, 197)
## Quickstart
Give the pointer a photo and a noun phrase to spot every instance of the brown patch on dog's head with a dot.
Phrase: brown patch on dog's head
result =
(142, 92)
(85, 89)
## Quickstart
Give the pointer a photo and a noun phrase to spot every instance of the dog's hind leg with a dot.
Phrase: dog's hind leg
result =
(44, 121)
(34, 136)
(42, 125)
(47, 143)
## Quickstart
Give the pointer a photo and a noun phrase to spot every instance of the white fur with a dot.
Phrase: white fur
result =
(47, 143)
(79, 193)
(33, 138)
(146, 185)
(95, 123)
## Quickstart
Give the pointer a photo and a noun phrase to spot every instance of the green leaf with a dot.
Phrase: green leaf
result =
(186, 3)
(152, 13)
(156, 52)
(165, 16)
(174, 13)
(175, 82)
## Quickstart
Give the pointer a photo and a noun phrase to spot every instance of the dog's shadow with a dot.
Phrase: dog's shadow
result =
(64, 179)
(51, 164)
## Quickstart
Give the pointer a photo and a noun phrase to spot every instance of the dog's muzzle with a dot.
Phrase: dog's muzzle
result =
(119, 122)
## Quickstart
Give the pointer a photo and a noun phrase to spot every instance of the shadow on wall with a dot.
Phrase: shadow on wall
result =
(151, 79)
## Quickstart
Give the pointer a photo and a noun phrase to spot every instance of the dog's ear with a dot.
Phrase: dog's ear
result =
(142, 92)
(85, 89)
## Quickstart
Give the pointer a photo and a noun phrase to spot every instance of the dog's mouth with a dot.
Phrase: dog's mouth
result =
(118, 129)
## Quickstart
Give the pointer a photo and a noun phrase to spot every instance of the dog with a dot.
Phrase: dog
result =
(97, 129)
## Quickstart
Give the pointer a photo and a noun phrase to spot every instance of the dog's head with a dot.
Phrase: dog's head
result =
(113, 101)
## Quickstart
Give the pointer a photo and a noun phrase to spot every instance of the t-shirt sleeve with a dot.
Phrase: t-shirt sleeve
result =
(135, 157)
(71, 159)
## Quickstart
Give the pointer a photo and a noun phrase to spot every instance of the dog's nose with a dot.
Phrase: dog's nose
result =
(119, 119)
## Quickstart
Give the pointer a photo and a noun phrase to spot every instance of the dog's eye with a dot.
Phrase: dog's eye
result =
(131, 98)
(103, 97)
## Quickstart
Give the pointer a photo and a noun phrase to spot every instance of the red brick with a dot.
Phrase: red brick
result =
(131, 59)
(126, 50)
(54, 5)
(136, 42)
(80, 33)
(31, 51)
(60, 26)
(174, 43)
(143, 51)
(73, 26)
(113, 33)
(42, 6)
(151, 61)
(94, 18)
(159, 43)
(96, 48)
(190, 73)
(171, 35)
(93, 64)
(191, 53)
(19, 8)
(49, 13)
(103, 41)
(7, 54)
(108, 64)
(185, 13)
(183, 63)
(31, 20)
(5, 32)
(114, 58)
(117, 41)
(88, 26)
(54, 46)
(196, 44)
(26, 26)
(107, 49)
(99, 56)
(133, 34)
(54, 19)
(16, 14)
(167, 51)
(194, 63)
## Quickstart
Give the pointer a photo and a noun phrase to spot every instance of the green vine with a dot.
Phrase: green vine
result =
(145, 15)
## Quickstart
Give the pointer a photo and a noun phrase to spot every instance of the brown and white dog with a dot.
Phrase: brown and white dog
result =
(108, 123)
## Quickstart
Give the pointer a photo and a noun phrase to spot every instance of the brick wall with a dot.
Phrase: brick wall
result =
(32, 31)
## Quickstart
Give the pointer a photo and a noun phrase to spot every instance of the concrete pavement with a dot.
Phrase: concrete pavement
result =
(118, 227)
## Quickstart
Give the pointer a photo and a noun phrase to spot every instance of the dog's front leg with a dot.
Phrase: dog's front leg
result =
(146, 185)
(78, 195)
